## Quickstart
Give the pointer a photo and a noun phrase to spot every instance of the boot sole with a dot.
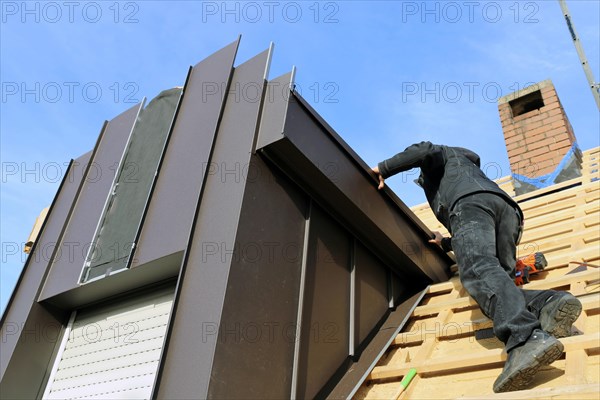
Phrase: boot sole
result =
(565, 315)
(521, 378)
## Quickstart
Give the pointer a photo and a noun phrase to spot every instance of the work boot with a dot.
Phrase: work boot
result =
(559, 313)
(524, 361)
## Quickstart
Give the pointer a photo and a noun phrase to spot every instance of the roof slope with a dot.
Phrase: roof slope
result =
(439, 339)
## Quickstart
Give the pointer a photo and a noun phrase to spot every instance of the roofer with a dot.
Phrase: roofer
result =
(486, 225)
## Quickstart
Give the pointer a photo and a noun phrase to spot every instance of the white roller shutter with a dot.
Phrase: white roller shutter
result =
(112, 351)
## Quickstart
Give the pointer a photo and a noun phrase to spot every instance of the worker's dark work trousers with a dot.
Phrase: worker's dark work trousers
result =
(485, 228)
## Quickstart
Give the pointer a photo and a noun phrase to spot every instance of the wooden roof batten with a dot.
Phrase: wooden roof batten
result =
(439, 340)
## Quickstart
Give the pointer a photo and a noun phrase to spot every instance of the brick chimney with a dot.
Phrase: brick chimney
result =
(541, 145)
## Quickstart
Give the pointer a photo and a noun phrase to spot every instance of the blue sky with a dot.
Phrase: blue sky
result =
(384, 74)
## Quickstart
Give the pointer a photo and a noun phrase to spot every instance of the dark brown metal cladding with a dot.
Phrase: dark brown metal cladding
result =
(154, 272)
(66, 269)
(275, 108)
(24, 317)
(357, 373)
(293, 272)
(171, 209)
(293, 137)
(186, 368)
(324, 337)
(257, 330)
(306, 151)
(371, 292)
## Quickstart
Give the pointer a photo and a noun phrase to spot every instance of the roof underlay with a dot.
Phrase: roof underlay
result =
(439, 340)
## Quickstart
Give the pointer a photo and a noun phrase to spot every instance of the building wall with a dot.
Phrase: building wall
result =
(360, 253)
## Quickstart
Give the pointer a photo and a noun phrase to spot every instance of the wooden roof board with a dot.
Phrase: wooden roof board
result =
(439, 338)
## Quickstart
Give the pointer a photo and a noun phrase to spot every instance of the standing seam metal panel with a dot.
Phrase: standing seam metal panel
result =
(171, 209)
(203, 287)
(221, 62)
(22, 312)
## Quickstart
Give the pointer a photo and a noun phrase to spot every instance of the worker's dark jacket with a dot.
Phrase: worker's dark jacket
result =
(447, 174)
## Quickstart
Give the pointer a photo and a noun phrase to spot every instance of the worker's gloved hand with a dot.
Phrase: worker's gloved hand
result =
(381, 180)
(437, 238)
(444, 243)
